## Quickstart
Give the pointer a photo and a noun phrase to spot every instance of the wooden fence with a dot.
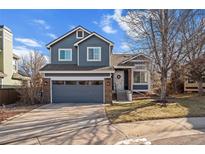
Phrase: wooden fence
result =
(8, 96)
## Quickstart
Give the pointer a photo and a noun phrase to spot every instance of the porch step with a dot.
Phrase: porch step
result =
(122, 96)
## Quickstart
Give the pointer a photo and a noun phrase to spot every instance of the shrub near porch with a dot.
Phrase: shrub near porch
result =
(182, 106)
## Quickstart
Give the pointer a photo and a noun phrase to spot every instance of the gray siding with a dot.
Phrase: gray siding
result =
(67, 42)
(140, 87)
(94, 42)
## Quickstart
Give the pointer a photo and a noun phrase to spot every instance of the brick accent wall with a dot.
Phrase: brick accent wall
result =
(46, 90)
(129, 79)
(108, 90)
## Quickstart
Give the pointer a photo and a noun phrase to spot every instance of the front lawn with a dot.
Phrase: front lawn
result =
(181, 106)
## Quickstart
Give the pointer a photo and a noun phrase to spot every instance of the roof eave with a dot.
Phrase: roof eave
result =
(92, 71)
(82, 40)
(65, 35)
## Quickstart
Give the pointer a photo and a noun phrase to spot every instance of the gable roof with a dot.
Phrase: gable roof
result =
(94, 34)
(137, 55)
(116, 59)
(66, 34)
(75, 68)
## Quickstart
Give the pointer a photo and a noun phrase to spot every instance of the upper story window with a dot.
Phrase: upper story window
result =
(93, 53)
(79, 34)
(65, 54)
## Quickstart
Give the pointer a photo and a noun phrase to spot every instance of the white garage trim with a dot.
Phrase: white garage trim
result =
(51, 92)
(103, 91)
(93, 71)
(78, 78)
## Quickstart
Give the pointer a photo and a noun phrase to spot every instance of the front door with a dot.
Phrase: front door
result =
(119, 80)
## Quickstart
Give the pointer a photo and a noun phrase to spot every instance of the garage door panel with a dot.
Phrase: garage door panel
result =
(77, 93)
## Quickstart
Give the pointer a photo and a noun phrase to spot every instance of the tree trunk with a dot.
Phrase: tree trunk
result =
(200, 87)
(163, 88)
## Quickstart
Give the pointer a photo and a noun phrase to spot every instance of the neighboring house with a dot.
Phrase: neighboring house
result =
(9, 73)
(83, 69)
(189, 84)
(192, 86)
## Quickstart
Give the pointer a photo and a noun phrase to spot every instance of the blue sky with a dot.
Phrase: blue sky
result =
(33, 29)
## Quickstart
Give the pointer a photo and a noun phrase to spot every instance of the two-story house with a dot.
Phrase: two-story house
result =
(9, 73)
(83, 69)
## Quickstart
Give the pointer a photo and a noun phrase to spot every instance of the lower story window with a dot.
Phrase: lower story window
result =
(93, 82)
(83, 82)
(70, 82)
(96, 82)
(140, 77)
(58, 82)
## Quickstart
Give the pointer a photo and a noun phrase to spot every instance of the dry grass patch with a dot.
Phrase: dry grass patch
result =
(13, 110)
(183, 106)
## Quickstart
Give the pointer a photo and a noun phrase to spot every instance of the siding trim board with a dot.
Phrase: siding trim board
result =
(93, 34)
(65, 35)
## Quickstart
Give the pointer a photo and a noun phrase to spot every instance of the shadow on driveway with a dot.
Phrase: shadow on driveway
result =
(61, 124)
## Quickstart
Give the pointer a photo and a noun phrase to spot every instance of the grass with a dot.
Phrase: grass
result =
(182, 106)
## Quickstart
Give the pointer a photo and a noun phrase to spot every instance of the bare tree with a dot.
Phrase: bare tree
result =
(30, 65)
(160, 32)
(196, 72)
(196, 49)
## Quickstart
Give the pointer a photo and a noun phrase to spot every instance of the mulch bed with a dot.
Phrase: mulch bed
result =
(15, 109)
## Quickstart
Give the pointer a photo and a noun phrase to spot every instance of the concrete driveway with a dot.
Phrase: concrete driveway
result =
(61, 124)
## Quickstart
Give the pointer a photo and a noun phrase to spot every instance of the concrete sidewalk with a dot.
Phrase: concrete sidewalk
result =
(88, 124)
(164, 128)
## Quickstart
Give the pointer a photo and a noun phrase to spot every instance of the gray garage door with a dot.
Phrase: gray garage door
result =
(77, 91)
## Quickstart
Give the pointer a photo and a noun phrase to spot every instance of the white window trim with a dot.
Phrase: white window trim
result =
(135, 83)
(77, 34)
(93, 59)
(64, 49)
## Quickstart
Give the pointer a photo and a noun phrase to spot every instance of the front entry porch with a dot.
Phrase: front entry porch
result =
(130, 80)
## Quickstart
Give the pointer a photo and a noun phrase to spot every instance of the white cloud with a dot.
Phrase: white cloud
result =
(117, 16)
(107, 21)
(51, 35)
(125, 46)
(28, 42)
(23, 51)
(95, 22)
(106, 24)
(42, 23)
(108, 29)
